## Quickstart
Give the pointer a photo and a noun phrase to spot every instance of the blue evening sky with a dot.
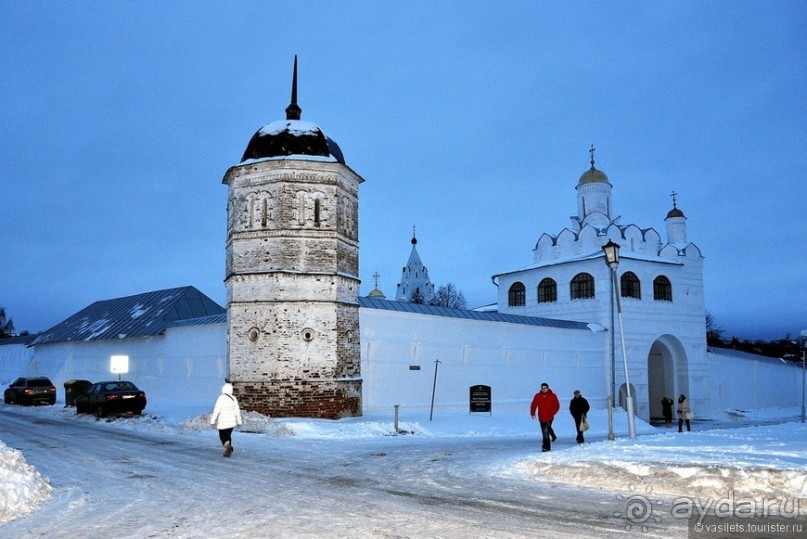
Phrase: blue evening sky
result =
(471, 120)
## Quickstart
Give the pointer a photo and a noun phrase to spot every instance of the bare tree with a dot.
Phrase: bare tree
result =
(6, 325)
(714, 334)
(449, 296)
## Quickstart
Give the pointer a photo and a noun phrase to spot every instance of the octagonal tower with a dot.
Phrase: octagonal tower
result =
(292, 273)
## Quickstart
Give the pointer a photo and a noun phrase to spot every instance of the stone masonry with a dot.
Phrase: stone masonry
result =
(292, 287)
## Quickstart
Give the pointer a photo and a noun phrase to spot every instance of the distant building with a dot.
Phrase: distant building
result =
(415, 284)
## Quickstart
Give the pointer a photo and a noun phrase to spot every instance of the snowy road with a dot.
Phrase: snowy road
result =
(114, 481)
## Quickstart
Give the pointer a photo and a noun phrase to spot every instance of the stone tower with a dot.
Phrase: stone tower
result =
(292, 273)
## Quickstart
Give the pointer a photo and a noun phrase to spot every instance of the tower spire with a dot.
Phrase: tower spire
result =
(293, 111)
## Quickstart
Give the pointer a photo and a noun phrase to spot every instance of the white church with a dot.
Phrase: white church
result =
(297, 339)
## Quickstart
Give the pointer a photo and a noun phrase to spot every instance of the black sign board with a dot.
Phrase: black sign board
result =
(480, 399)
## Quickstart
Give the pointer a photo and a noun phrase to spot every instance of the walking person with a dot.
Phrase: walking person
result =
(684, 413)
(226, 416)
(546, 403)
(666, 406)
(579, 407)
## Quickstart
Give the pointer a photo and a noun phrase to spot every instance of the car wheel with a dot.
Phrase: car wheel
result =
(6, 399)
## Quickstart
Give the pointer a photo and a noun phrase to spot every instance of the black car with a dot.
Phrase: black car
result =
(115, 397)
(37, 390)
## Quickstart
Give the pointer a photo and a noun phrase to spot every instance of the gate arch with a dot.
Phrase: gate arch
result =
(667, 373)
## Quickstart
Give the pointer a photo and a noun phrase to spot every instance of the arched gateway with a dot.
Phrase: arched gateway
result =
(667, 373)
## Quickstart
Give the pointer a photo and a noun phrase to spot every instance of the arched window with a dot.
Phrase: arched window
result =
(630, 286)
(517, 296)
(582, 286)
(547, 291)
(662, 289)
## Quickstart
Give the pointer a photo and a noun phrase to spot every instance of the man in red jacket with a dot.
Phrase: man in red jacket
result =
(547, 405)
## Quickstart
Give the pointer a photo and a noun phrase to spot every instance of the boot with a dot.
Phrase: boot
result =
(228, 448)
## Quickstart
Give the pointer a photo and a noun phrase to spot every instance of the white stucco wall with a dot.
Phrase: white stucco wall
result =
(511, 358)
(743, 383)
(14, 358)
(187, 363)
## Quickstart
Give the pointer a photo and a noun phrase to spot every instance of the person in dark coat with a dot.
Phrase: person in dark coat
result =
(546, 403)
(579, 408)
(666, 406)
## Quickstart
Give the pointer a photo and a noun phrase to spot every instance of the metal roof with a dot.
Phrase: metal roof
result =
(19, 339)
(141, 315)
(731, 352)
(485, 316)
(201, 321)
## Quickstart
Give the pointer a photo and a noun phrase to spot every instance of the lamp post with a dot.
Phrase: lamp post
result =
(611, 250)
(803, 368)
(613, 364)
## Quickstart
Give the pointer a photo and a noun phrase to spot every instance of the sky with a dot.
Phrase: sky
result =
(471, 122)
(447, 476)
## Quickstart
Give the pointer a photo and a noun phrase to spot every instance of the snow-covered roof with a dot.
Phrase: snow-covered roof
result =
(140, 315)
(486, 316)
(592, 256)
(730, 352)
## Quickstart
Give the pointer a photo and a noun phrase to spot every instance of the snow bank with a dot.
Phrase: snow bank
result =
(764, 459)
(22, 489)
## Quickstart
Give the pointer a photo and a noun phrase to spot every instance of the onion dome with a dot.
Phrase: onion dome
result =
(593, 175)
(675, 212)
(292, 136)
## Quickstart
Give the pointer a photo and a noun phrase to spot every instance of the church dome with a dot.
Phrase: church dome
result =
(593, 175)
(675, 212)
(292, 137)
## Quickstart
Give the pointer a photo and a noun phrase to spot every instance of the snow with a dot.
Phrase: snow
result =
(756, 453)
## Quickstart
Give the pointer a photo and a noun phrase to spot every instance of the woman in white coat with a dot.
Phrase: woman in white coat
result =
(226, 416)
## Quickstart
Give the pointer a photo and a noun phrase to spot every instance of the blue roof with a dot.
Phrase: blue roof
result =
(141, 315)
(486, 316)
(201, 321)
(731, 352)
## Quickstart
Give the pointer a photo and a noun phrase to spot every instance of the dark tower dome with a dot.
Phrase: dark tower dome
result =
(675, 211)
(292, 136)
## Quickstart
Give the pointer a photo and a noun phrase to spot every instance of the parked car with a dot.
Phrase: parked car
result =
(114, 397)
(36, 390)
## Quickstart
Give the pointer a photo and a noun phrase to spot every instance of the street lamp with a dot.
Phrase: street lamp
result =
(803, 368)
(611, 251)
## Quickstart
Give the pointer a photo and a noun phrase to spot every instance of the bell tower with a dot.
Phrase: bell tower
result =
(292, 266)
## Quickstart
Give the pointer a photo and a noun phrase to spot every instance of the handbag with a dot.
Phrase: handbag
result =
(689, 415)
(584, 424)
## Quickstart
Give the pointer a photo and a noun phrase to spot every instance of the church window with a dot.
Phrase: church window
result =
(517, 295)
(547, 291)
(582, 286)
(316, 212)
(630, 286)
(662, 289)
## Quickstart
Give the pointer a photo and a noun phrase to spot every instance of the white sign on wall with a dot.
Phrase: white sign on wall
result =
(119, 364)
